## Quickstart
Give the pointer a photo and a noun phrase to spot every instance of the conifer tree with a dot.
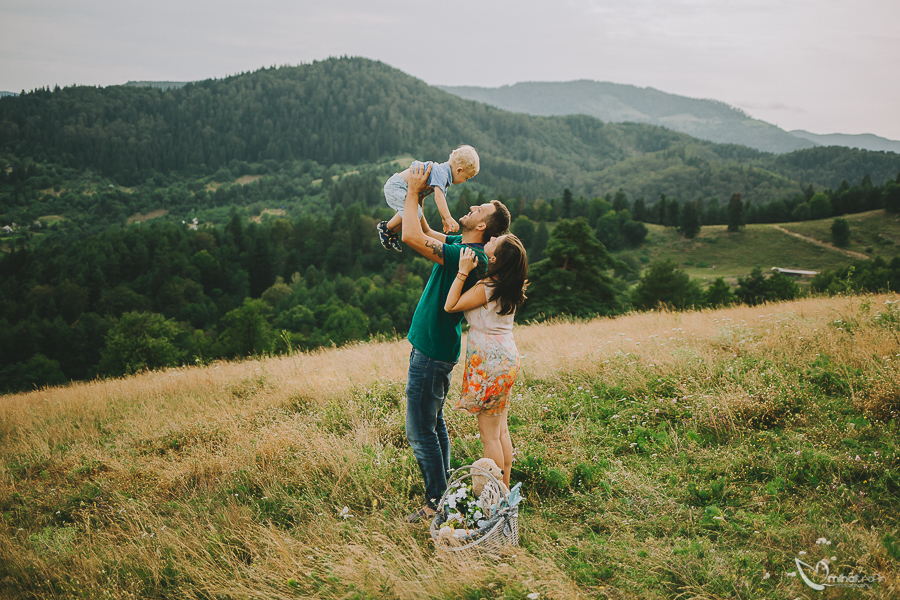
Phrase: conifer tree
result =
(736, 217)
(690, 222)
(572, 279)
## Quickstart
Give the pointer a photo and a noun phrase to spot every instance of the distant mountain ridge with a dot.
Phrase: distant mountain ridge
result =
(616, 103)
(352, 111)
(865, 141)
(705, 119)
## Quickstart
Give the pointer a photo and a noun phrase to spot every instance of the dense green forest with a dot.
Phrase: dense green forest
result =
(161, 293)
(264, 189)
(354, 111)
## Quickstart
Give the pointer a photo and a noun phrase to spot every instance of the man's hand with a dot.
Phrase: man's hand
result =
(412, 234)
(418, 177)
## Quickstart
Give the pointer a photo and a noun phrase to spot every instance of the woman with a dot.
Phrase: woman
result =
(492, 359)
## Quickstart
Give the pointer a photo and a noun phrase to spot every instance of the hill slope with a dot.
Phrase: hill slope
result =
(705, 119)
(354, 110)
(717, 253)
(661, 455)
(866, 141)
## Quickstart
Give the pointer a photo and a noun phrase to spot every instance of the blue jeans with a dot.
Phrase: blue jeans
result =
(426, 389)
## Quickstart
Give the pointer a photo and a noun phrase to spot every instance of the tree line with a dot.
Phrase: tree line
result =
(162, 294)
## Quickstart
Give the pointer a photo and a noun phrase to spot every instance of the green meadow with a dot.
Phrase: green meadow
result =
(662, 455)
(716, 252)
(876, 232)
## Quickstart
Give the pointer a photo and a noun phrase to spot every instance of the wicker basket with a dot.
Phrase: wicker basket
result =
(501, 530)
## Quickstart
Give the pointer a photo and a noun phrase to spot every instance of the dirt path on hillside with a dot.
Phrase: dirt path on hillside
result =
(850, 253)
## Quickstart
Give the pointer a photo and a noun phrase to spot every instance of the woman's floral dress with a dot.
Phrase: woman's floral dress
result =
(492, 360)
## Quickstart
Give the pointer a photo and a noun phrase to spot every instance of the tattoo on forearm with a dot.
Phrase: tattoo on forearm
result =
(436, 247)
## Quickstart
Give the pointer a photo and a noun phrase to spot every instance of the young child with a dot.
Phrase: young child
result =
(463, 165)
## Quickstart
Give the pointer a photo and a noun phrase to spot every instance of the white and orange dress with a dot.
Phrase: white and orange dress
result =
(492, 360)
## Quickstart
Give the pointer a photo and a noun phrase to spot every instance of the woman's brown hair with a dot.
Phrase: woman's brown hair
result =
(509, 274)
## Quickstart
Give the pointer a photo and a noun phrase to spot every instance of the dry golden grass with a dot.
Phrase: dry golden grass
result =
(175, 479)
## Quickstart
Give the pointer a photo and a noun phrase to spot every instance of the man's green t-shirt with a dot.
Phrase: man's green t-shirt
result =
(435, 332)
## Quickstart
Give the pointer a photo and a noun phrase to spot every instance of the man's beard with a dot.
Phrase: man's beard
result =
(466, 225)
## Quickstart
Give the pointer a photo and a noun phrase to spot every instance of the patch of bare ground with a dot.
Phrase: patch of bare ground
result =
(247, 179)
(140, 218)
(278, 212)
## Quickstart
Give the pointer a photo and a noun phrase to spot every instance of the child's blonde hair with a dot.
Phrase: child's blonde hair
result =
(467, 158)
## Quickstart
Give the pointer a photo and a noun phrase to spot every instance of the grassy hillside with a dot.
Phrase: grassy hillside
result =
(877, 230)
(718, 253)
(662, 456)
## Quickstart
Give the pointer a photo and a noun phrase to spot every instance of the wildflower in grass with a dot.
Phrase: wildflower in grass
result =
(345, 513)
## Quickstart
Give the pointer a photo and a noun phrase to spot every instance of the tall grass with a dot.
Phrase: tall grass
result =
(662, 455)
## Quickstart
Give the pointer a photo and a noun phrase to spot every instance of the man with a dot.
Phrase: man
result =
(435, 334)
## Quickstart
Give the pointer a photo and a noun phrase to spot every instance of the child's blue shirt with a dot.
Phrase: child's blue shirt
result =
(441, 175)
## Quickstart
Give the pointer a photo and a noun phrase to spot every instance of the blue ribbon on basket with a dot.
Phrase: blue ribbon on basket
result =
(514, 497)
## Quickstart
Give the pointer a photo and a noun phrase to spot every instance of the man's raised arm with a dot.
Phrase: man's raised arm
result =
(411, 232)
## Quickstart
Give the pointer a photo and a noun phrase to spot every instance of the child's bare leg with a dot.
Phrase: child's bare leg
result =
(395, 223)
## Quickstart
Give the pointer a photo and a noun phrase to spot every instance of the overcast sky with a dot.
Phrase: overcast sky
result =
(827, 66)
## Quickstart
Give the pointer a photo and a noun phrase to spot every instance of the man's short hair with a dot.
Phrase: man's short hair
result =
(497, 222)
(467, 158)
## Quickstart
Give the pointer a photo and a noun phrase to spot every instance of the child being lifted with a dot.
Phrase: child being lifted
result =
(462, 166)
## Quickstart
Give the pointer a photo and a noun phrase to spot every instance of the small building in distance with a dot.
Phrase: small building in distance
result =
(795, 272)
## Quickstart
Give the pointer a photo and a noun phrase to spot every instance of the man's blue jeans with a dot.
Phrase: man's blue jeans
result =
(426, 389)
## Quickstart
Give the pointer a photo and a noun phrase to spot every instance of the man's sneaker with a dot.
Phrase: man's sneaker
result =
(395, 243)
(385, 235)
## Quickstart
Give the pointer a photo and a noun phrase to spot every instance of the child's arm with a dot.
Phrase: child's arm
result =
(428, 231)
(441, 201)
(475, 297)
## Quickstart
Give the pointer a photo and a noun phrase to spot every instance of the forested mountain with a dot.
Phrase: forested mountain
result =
(353, 110)
(705, 119)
